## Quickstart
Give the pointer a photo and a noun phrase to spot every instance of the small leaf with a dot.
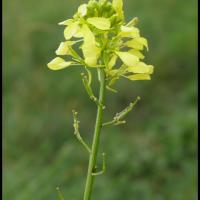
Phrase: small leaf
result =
(128, 58)
(100, 22)
(58, 63)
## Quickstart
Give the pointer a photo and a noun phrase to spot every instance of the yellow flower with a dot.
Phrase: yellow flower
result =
(106, 40)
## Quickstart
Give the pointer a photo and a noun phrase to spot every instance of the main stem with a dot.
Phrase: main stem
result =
(96, 138)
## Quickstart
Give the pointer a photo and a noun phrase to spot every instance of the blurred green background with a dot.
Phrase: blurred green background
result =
(152, 157)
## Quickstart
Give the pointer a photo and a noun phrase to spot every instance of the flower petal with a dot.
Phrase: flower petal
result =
(112, 62)
(64, 48)
(128, 58)
(136, 77)
(58, 63)
(66, 22)
(118, 6)
(78, 33)
(142, 41)
(71, 30)
(141, 68)
(91, 53)
(134, 44)
(130, 32)
(136, 53)
(90, 50)
(100, 22)
(137, 43)
(133, 22)
(82, 10)
(87, 33)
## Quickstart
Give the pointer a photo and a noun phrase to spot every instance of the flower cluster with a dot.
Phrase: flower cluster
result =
(106, 41)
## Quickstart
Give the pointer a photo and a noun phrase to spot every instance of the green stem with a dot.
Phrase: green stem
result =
(96, 138)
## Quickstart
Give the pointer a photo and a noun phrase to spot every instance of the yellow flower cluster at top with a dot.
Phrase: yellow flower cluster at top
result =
(105, 40)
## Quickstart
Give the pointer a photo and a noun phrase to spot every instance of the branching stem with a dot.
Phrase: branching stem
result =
(118, 118)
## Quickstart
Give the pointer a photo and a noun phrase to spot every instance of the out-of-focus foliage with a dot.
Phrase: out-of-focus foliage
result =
(152, 157)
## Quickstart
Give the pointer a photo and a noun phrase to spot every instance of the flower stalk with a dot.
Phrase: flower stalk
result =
(96, 138)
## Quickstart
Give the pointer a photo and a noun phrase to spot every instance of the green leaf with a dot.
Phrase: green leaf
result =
(100, 22)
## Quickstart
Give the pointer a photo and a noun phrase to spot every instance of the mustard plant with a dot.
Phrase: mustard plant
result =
(113, 48)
